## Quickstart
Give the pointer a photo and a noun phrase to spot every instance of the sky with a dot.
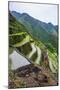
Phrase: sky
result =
(43, 12)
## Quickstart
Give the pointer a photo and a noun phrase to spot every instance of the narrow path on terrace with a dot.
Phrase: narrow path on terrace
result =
(37, 61)
(33, 50)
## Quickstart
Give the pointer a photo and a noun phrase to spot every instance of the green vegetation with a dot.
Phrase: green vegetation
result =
(46, 33)
(34, 56)
(26, 41)
(21, 39)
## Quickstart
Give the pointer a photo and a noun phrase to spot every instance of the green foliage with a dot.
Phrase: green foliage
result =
(21, 38)
(34, 56)
(15, 26)
(25, 49)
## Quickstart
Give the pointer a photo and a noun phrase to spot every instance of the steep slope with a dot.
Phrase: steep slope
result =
(46, 31)
(17, 15)
(20, 39)
(43, 68)
(42, 32)
(26, 44)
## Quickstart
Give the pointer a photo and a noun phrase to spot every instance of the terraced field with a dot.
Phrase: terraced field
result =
(29, 48)
(26, 50)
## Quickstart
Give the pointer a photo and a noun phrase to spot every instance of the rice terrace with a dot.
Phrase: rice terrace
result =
(33, 45)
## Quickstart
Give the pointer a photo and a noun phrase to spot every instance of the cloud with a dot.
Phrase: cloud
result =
(43, 12)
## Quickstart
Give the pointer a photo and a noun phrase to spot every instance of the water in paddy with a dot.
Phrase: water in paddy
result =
(17, 60)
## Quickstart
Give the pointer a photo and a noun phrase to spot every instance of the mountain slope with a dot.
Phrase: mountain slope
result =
(30, 47)
(45, 32)
(42, 69)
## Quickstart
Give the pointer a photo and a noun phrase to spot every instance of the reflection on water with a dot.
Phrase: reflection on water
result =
(17, 60)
